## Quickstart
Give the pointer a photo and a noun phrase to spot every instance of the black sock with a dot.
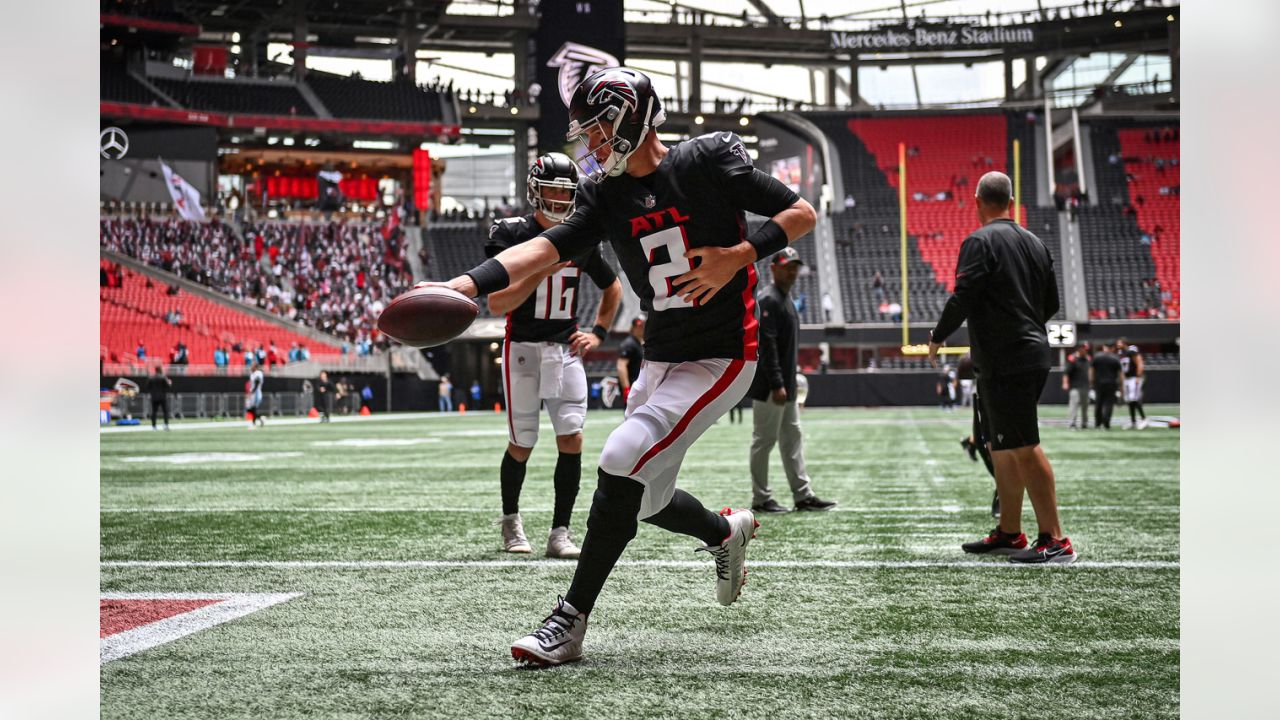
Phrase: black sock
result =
(1133, 413)
(611, 524)
(685, 515)
(512, 476)
(567, 477)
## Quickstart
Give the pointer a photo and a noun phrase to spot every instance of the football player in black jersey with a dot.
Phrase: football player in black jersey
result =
(1134, 371)
(543, 351)
(675, 218)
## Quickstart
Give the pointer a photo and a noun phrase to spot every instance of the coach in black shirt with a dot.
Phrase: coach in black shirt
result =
(1105, 372)
(1006, 289)
(158, 388)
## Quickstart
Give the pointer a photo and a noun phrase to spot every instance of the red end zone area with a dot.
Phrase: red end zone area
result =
(117, 616)
(131, 623)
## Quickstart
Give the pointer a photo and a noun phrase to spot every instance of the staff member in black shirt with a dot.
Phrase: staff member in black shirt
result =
(324, 396)
(158, 388)
(1105, 374)
(630, 355)
(1005, 287)
(775, 415)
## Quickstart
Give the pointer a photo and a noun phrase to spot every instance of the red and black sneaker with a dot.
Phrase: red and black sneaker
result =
(998, 542)
(1046, 550)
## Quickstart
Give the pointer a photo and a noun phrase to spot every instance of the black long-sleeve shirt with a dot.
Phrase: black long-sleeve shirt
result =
(779, 340)
(1006, 289)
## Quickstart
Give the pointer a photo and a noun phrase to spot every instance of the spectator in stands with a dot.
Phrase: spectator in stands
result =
(140, 351)
(220, 357)
(158, 388)
(828, 306)
(877, 288)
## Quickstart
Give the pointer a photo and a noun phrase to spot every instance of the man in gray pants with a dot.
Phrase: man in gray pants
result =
(773, 393)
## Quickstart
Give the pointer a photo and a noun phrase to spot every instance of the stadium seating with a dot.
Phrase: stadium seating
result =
(136, 312)
(1130, 238)
(117, 85)
(355, 98)
(334, 277)
(947, 154)
(256, 98)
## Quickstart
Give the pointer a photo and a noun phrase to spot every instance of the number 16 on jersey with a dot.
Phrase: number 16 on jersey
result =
(556, 294)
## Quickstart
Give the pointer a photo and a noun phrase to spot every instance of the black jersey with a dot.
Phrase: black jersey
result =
(551, 313)
(1129, 363)
(695, 198)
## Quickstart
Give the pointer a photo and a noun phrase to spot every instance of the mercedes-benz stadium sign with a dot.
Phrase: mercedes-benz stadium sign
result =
(906, 39)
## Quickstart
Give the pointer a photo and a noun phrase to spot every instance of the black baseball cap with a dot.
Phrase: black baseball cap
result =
(787, 256)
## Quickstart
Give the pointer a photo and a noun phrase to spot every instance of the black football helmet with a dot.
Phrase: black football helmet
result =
(553, 170)
(621, 105)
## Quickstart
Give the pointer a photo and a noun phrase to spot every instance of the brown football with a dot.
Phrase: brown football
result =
(427, 316)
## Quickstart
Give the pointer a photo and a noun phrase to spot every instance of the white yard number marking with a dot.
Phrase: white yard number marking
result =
(1062, 334)
(660, 276)
(555, 296)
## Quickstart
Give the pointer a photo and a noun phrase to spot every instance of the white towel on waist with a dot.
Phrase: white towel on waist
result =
(551, 372)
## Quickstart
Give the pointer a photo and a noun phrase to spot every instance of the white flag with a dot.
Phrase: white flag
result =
(185, 198)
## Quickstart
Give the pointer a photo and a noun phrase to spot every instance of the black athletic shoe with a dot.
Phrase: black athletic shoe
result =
(970, 448)
(998, 542)
(770, 506)
(1046, 551)
(813, 503)
(995, 504)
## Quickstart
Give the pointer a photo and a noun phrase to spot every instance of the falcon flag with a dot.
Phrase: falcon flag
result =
(186, 199)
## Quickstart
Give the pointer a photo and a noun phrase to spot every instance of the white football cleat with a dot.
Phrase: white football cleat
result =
(560, 545)
(557, 642)
(513, 539)
(731, 555)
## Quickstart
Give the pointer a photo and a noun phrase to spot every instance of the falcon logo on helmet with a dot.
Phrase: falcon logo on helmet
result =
(611, 114)
(617, 87)
(553, 186)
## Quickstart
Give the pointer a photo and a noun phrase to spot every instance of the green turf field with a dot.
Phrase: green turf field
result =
(408, 605)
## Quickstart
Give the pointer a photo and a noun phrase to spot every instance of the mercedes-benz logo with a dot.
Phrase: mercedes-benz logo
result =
(113, 144)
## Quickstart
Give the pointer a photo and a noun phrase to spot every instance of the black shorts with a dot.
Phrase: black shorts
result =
(1009, 404)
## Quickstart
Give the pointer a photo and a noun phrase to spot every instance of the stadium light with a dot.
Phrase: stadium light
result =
(743, 121)
(698, 120)
(1119, 24)
(472, 109)
(235, 49)
(515, 111)
(1170, 18)
(235, 37)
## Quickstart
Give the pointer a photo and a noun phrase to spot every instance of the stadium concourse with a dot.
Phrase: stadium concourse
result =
(271, 181)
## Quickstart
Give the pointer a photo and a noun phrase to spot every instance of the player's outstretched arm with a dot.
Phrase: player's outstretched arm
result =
(511, 266)
(717, 266)
(504, 301)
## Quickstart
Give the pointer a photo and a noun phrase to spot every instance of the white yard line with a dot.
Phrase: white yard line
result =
(229, 607)
(937, 509)
(243, 425)
(533, 563)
